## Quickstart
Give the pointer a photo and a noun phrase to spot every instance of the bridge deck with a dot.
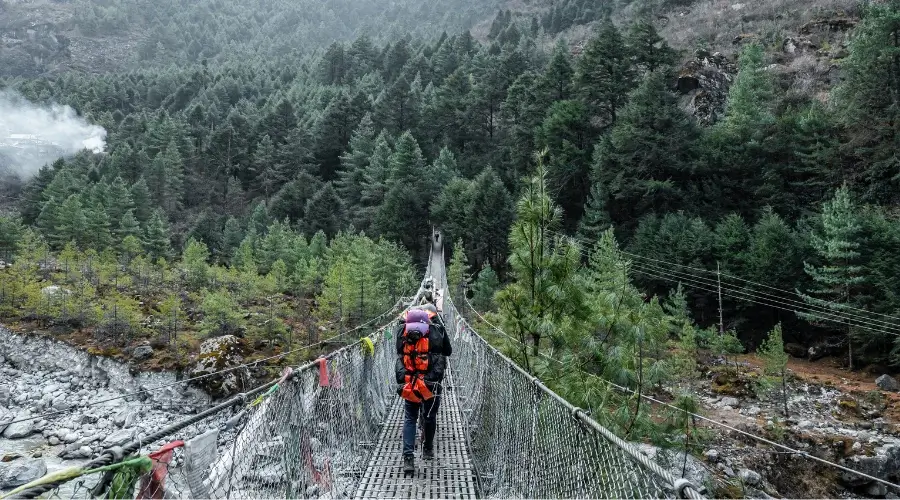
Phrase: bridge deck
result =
(449, 475)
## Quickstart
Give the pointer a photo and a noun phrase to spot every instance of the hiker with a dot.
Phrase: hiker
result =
(422, 344)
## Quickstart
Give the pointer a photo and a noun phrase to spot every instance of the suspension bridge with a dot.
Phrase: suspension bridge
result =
(332, 429)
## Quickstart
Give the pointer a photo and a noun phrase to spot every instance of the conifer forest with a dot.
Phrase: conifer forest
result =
(631, 185)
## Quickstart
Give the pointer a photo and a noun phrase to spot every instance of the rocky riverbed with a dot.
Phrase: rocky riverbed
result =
(54, 411)
(853, 428)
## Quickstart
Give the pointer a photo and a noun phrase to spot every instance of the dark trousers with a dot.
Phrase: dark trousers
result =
(429, 409)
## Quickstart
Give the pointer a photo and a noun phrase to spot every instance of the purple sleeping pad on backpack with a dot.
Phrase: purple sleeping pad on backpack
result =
(417, 327)
(417, 316)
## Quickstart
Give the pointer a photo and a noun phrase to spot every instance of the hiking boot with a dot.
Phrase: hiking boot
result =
(428, 453)
(409, 465)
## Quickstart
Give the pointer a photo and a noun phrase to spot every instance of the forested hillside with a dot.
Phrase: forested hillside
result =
(40, 36)
(789, 188)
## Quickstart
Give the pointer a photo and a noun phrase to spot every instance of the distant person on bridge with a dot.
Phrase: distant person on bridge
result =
(422, 346)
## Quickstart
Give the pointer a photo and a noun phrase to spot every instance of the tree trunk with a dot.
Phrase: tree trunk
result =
(784, 395)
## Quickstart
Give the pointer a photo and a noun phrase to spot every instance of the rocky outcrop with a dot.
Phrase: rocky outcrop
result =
(704, 81)
(217, 354)
(798, 45)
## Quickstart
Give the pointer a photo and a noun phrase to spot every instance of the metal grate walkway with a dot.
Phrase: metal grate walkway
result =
(449, 475)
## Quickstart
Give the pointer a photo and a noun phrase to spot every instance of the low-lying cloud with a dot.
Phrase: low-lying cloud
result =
(32, 135)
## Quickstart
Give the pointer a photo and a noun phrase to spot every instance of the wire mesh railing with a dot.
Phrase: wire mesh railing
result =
(307, 435)
(528, 442)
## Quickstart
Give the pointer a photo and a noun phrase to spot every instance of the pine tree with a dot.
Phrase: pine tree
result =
(48, 220)
(646, 163)
(567, 134)
(543, 294)
(649, 50)
(397, 108)
(456, 273)
(376, 177)
(267, 173)
(775, 362)
(72, 223)
(732, 245)
(232, 236)
(484, 289)
(260, 219)
(868, 101)
(490, 214)
(119, 201)
(596, 219)
(194, 259)
(604, 74)
(557, 77)
(354, 162)
(140, 194)
(128, 226)
(156, 236)
(403, 216)
(837, 282)
(97, 228)
(324, 212)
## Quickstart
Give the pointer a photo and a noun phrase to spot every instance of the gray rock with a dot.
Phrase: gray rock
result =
(119, 437)
(887, 383)
(749, 477)
(61, 404)
(21, 472)
(71, 437)
(711, 455)
(53, 440)
(21, 429)
(876, 489)
(753, 411)
(884, 464)
(677, 464)
(729, 401)
(142, 352)
(805, 424)
(6, 417)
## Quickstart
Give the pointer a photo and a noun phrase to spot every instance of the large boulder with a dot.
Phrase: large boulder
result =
(141, 353)
(218, 354)
(884, 464)
(19, 472)
(22, 426)
(887, 383)
(705, 81)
